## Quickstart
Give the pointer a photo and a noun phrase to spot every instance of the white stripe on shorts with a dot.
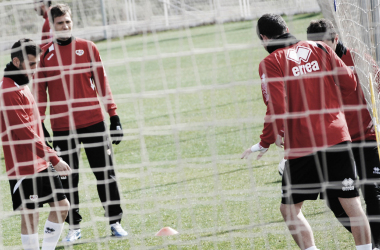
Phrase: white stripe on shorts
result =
(18, 184)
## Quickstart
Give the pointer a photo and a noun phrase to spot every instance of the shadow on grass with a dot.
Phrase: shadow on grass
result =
(199, 110)
(191, 179)
(274, 182)
(178, 38)
(83, 242)
(247, 227)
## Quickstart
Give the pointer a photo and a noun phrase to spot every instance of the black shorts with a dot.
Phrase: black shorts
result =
(330, 171)
(33, 191)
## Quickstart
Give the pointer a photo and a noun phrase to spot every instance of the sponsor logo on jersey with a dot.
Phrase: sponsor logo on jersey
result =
(50, 56)
(348, 184)
(79, 52)
(63, 177)
(298, 55)
(376, 170)
(305, 68)
(49, 230)
(33, 197)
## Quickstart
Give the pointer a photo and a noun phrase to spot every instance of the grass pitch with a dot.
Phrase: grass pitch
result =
(190, 103)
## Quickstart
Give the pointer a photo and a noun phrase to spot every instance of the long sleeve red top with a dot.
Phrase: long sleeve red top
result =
(25, 151)
(302, 86)
(46, 31)
(74, 76)
(357, 117)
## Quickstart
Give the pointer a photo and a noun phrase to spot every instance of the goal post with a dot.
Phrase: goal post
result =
(184, 76)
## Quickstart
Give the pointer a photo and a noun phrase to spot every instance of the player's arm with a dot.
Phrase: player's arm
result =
(104, 91)
(40, 92)
(40, 96)
(18, 122)
(345, 77)
(274, 98)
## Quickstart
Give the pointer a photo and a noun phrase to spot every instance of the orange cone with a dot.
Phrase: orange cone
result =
(165, 231)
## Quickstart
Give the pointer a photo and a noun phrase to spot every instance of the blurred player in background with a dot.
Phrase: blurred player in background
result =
(72, 73)
(33, 181)
(317, 141)
(42, 8)
(362, 134)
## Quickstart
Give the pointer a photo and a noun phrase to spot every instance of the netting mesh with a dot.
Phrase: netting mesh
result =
(188, 99)
(123, 17)
(358, 25)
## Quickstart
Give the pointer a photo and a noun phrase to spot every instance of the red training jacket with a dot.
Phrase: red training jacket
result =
(74, 76)
(302, 86)
(357, 119)
(25, 151)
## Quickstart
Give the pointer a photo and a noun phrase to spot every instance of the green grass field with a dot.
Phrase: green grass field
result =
(190, 103)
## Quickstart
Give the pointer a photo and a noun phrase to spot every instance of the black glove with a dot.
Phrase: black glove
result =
(116, 130)
(47, 136)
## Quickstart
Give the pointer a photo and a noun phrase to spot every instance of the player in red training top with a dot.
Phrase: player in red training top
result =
(33, 181)
(42, 9)
(72, 73)
(362, 134)
(301, 83)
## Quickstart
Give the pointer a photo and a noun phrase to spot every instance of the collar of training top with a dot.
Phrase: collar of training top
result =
(64, 43)
(340, 49)
(12, 72)
(282, 41)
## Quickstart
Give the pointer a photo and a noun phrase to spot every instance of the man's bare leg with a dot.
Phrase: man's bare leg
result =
(29, 221)
(54, 223)
(358, 220)
(298, 225)
(59, 211)
(29, 229)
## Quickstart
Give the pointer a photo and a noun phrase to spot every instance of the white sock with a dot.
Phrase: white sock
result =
(30, 241)
(51, 236)
(364, 247)
(312, 248)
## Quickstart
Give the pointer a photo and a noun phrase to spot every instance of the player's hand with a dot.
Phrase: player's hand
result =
(255, 148)
(116, 130)
(62, 168)
(370, 127)
(279, 141)
(48, 139)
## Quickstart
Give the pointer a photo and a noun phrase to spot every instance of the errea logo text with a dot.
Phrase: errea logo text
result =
(306, 68)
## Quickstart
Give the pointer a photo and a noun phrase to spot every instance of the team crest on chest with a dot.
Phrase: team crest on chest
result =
(79, 52)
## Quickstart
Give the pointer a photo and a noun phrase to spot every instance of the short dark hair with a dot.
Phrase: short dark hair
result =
(59, 10)
(271, 25)
(320, 30)
(24, 47)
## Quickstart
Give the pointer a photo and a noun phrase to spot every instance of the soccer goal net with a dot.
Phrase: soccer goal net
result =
(358, 23)
(184, 77)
